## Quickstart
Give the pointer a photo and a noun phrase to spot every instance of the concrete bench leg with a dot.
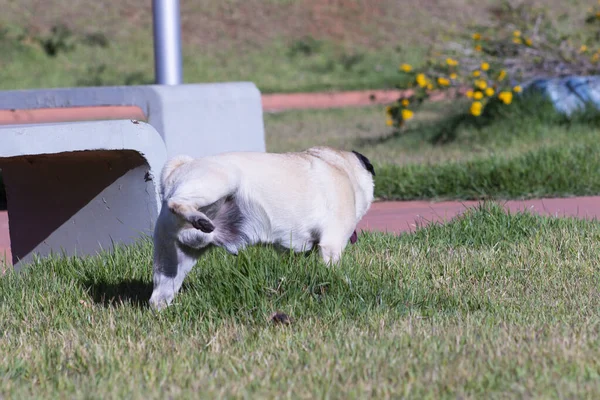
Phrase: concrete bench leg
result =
(76, 201)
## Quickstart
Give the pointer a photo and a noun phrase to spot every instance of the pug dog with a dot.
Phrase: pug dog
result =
(233, 200)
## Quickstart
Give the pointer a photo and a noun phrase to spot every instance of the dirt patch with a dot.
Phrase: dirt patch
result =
(248, 24)
(253, 23)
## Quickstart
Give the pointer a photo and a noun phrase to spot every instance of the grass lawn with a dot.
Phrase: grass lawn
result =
(491, 305)
(279, 45)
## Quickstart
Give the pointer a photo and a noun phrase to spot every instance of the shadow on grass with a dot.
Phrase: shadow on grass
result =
(133, 291)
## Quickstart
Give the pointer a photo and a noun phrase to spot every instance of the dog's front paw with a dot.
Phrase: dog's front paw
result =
(203, 224)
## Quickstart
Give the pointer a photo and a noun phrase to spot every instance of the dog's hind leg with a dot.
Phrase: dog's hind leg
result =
(172, 262)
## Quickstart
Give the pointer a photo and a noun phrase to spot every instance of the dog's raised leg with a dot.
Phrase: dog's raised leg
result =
(191, 214)
(211, 185)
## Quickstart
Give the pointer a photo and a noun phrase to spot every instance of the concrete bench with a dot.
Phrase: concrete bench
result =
(193, 119)
(81, 186)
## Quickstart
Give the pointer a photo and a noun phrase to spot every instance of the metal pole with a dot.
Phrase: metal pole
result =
(167, 42)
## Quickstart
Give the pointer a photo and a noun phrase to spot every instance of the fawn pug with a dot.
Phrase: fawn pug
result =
(232, 200)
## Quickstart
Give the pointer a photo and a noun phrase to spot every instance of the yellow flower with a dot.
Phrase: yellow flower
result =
(485, 66)
(517, 40)
(476, 73)
(451, 62)
(481, 84)
(406, 67)
(443, 81)
(583, 48)
(596, 57)
(388, 110)
(502, 75)
(469, 94)
(478, 95)
(476, 36)
(517, 33)
(476, 108)
(389, 122)
(405, 102)
(489, 92)
(453, 75)
(478, 48)
(506, 97)
(528, 42)
(518, 89)
(407, 114)
(421, 80)
(429, 86)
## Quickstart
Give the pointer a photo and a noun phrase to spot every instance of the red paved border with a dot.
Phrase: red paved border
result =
(296, 101)
(396, 217)
(357, 98)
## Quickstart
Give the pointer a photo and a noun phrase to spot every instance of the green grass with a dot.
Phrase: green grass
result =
(558, 171)
(329, 67)
(280, 46)
(490, 305)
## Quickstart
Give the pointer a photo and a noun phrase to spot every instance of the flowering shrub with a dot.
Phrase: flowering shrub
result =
(486, 67)
(482, 85)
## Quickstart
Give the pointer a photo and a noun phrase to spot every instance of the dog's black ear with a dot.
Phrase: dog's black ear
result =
(365, 162)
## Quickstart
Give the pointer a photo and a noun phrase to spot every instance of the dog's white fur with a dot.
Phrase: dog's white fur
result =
(296, 200)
